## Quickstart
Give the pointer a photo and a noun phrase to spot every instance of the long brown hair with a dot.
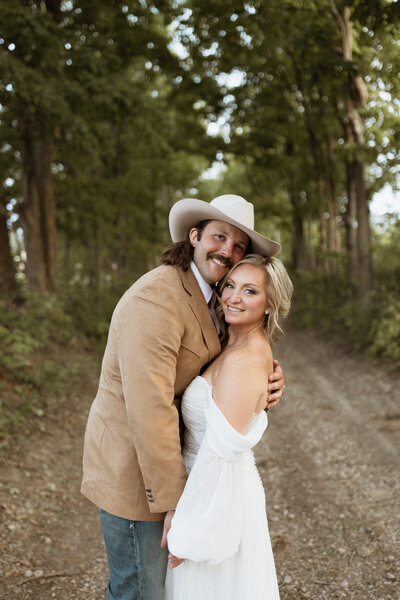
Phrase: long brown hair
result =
(180, 254)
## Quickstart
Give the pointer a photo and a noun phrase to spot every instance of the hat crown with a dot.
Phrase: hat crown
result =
(236, 208)
(228, 208)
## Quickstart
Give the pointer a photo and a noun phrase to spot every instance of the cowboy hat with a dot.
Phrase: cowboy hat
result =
(229, 208)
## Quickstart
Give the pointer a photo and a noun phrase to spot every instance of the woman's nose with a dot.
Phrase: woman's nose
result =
(235, 297)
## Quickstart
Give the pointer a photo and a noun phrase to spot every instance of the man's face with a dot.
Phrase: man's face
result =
(220, 246)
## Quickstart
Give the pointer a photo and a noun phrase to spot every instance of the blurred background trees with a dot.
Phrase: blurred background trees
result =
(112, 111)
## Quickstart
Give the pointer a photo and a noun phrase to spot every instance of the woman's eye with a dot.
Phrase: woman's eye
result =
(229, 285)
(249, 291)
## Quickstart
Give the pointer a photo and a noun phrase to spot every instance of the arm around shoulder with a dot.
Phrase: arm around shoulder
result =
(241, 386)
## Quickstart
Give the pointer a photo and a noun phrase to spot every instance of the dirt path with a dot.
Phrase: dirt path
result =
(330, 466)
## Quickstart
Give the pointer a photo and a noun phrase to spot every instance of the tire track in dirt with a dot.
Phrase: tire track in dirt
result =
(329, 463)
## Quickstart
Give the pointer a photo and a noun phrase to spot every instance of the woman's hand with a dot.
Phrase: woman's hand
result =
(167, 526)
(276, 386)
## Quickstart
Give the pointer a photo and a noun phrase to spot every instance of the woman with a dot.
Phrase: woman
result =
(220, 526)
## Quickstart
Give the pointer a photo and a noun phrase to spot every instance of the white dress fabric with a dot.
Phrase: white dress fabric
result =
(220, 525)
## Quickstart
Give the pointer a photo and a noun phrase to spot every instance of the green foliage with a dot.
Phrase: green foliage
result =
(384, 335)
(287, 116)
(17, 345)
(335, 311)
(128, 118)
(386, 245)
(91, 309)
(43, 359)
(98, 82)
(25, 332)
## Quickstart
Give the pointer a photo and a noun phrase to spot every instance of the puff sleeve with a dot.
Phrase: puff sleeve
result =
(208, 521)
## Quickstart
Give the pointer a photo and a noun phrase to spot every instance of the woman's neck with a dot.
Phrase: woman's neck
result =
(241, 336)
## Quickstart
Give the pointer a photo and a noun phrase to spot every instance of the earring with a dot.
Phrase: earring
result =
(267, 312)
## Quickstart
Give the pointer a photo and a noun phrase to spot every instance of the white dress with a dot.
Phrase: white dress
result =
(220, 525)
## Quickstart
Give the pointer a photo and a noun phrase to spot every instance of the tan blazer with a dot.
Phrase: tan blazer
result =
(161, 335)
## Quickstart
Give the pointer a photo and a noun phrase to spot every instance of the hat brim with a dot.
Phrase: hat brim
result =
(186, 213)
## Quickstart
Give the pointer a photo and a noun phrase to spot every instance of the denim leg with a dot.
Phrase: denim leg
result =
(137, 563)
(152, 558)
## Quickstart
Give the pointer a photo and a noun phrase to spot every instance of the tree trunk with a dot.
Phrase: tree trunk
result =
(98, 260)
(317, 154)
(310, 246)
(122, 240)
(365, 269)
(300, 258)
(331, 200)
(8, 286)
(31, 219)
(67, 257)
(38, 213)
(38, 209)
(323, 243)
(356, 96)
(44, 156)
(96, 275)
(121, 257)
(332, 232)
(351, 226)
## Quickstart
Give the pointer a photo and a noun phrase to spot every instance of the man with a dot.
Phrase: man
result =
(162, 334)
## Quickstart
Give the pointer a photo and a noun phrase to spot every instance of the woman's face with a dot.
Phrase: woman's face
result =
(244, 297)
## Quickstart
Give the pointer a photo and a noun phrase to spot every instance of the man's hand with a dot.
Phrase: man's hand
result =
(174, 561)
(275, 386)
(167, 526)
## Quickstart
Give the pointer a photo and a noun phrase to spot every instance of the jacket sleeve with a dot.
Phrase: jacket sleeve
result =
(208, 520)
(149, 335)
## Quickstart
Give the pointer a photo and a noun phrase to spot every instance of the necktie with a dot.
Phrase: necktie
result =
(211, 306)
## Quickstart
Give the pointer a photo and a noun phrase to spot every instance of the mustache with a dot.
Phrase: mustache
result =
(221, 258)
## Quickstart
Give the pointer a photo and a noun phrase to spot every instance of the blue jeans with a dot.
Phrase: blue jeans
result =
(137, 563)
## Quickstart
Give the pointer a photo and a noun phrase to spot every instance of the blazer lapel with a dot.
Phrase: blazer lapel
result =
(201, 312)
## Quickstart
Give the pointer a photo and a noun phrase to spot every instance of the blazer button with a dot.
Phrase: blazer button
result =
(150, 500)
(148, 490)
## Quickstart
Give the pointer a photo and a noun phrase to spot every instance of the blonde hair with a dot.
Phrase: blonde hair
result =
(279, 290)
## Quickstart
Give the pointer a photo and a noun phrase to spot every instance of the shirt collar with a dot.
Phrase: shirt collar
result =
(204, 286)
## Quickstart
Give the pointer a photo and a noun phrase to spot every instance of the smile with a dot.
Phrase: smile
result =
(219, 263)
(233, 309)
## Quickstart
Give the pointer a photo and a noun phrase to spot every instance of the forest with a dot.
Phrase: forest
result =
(112, 111)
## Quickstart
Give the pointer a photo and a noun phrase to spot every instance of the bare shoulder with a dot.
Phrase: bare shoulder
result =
(240, 386)
(257, 353)
(262, 354)
(251, 363)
